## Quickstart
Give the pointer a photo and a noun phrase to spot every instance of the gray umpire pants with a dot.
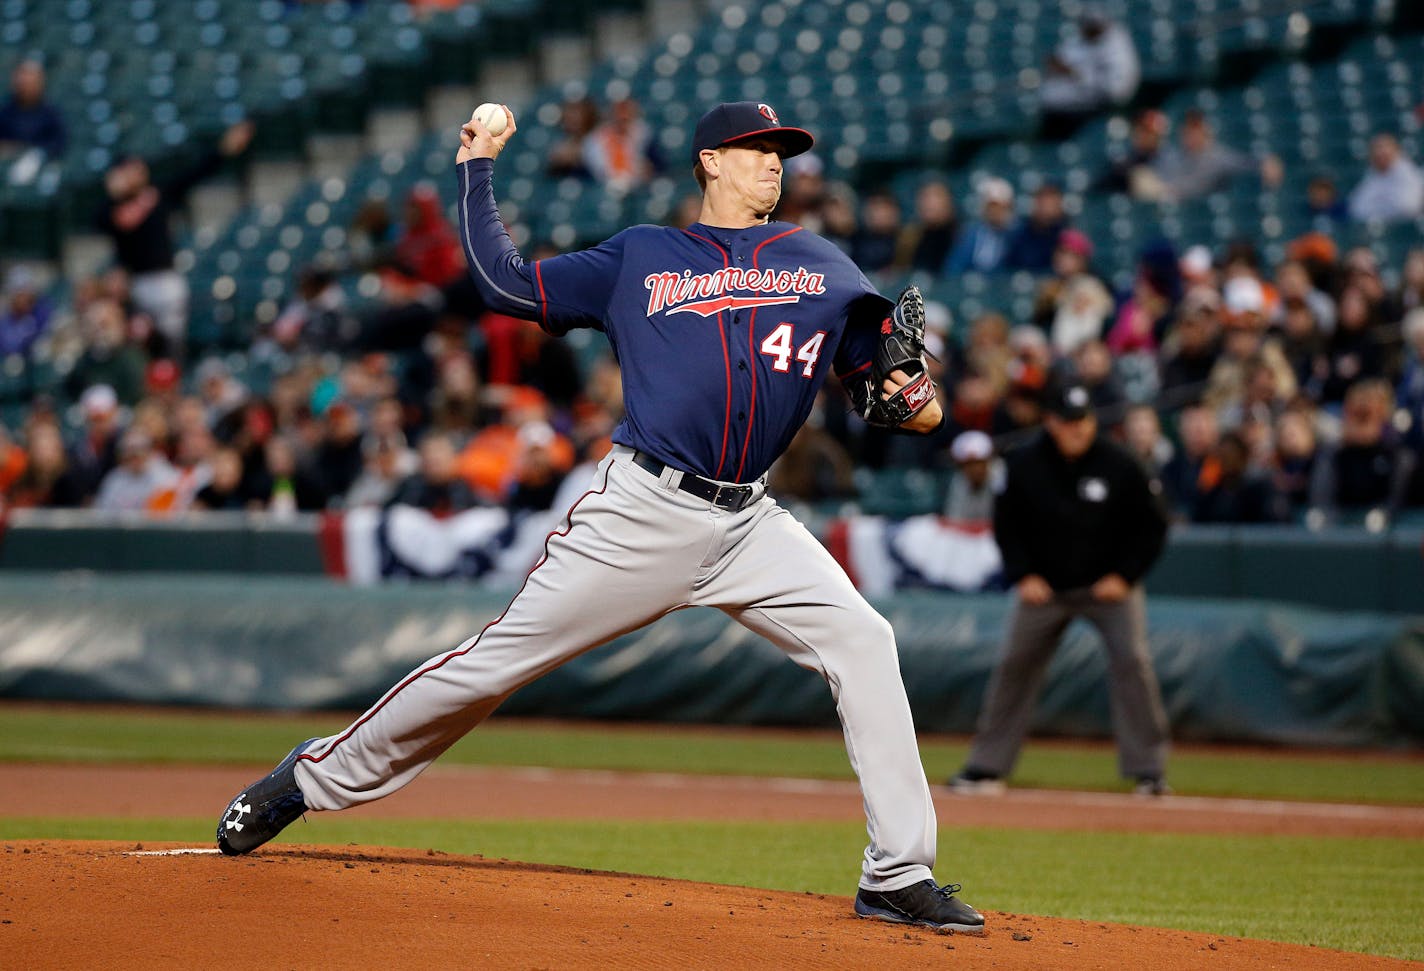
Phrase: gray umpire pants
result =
(1138, 718)
(632, 549)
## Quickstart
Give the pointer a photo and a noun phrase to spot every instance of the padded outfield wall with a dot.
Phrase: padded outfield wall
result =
(1230, 671)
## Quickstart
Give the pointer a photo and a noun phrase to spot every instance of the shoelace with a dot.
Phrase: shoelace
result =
(948, 890)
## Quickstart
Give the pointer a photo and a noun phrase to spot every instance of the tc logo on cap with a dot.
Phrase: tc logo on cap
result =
(1077, 397)
(769, 113)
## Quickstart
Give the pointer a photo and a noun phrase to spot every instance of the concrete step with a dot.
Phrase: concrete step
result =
(393, 129)
(213, 204)
(619, 32)
(565, 58)
(331, 156)
(274, 182)
(82, 255)
(667, 17)
(450, 106)
(509, 81)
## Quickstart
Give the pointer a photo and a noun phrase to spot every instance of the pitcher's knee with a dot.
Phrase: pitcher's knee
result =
(870, 631)
(871, 646)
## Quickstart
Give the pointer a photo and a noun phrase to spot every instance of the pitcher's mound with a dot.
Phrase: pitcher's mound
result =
(82, 904)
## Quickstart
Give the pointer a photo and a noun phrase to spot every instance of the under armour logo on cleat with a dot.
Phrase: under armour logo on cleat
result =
(240, 810)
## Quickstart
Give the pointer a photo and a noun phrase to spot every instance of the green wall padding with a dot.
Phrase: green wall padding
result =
(1230, 671)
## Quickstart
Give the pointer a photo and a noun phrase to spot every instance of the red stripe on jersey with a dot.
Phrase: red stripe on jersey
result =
(543, 300)
(751, 411)
(726, 358)
(461, 652)
(855, 370)
(751, 350)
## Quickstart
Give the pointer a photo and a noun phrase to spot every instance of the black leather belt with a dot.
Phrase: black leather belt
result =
(733, 498)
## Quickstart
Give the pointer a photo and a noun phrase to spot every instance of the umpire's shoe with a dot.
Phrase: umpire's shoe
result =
(922, 903)
(264, 808)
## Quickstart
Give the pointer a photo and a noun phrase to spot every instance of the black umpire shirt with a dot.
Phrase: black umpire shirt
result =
(1073, 523)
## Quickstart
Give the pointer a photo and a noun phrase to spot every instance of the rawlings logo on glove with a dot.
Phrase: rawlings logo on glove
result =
(901, 348)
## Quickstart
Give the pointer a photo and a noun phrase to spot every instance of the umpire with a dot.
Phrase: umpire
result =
(1079, 525)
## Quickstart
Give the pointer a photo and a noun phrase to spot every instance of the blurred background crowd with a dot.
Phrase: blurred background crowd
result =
(1260, 378)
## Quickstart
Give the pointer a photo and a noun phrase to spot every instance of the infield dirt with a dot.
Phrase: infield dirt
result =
(465, 792)
(85, 905)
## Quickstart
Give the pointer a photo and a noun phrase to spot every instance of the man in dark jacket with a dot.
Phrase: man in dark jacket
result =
(136, 217)
(437, 487)
(1032, 244)
(26, 118)
(1079, 524)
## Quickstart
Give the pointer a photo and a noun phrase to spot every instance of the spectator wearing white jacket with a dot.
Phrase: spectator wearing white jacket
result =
(1097, 69)
(1082, 309)
(142, 471)
(1392, 190)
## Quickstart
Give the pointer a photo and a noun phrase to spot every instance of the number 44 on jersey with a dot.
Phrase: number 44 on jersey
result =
(779, 343)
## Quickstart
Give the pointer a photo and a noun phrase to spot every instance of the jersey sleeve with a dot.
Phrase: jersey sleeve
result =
(503, 278)
(575, 289)
(867, 311)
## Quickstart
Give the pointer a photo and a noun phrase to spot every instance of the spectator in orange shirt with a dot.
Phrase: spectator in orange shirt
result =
(621, 152)
(489, 461)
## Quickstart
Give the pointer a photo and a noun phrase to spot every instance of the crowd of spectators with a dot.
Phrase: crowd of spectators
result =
(1253, 392)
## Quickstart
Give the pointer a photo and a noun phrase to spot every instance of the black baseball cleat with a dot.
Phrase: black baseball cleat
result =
(976, 782)
(922, 903)
(263, 809)
(1151, 785)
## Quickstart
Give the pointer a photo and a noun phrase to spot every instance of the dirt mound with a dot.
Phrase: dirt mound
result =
(78, 904)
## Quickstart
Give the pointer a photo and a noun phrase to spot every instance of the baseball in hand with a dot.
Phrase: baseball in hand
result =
(492, 117)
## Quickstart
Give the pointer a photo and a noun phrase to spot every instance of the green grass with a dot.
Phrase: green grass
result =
(1351, 894)
(36, 734)
(1354, 894)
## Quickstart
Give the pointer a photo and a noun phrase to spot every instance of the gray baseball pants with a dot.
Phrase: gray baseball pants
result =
(630, 550)
(1138, 718)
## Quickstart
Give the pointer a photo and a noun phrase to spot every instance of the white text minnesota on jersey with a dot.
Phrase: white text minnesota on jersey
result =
(707, 293)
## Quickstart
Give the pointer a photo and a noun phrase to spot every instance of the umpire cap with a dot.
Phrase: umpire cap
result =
(736, 120)
(1070, 401)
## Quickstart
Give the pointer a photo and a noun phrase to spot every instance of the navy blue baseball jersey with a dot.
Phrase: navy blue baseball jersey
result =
(723, 336)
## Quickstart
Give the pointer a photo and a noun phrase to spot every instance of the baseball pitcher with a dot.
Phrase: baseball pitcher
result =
(724, 332)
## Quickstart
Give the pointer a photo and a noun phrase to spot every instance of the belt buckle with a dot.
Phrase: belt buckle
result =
(737, 497)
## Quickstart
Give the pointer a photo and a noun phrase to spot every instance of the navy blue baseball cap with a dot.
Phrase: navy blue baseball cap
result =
(737, 120)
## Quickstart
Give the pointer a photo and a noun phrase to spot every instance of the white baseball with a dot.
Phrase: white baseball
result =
(491, 116)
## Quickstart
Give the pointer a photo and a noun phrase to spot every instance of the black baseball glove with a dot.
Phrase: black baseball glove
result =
(901, 348)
